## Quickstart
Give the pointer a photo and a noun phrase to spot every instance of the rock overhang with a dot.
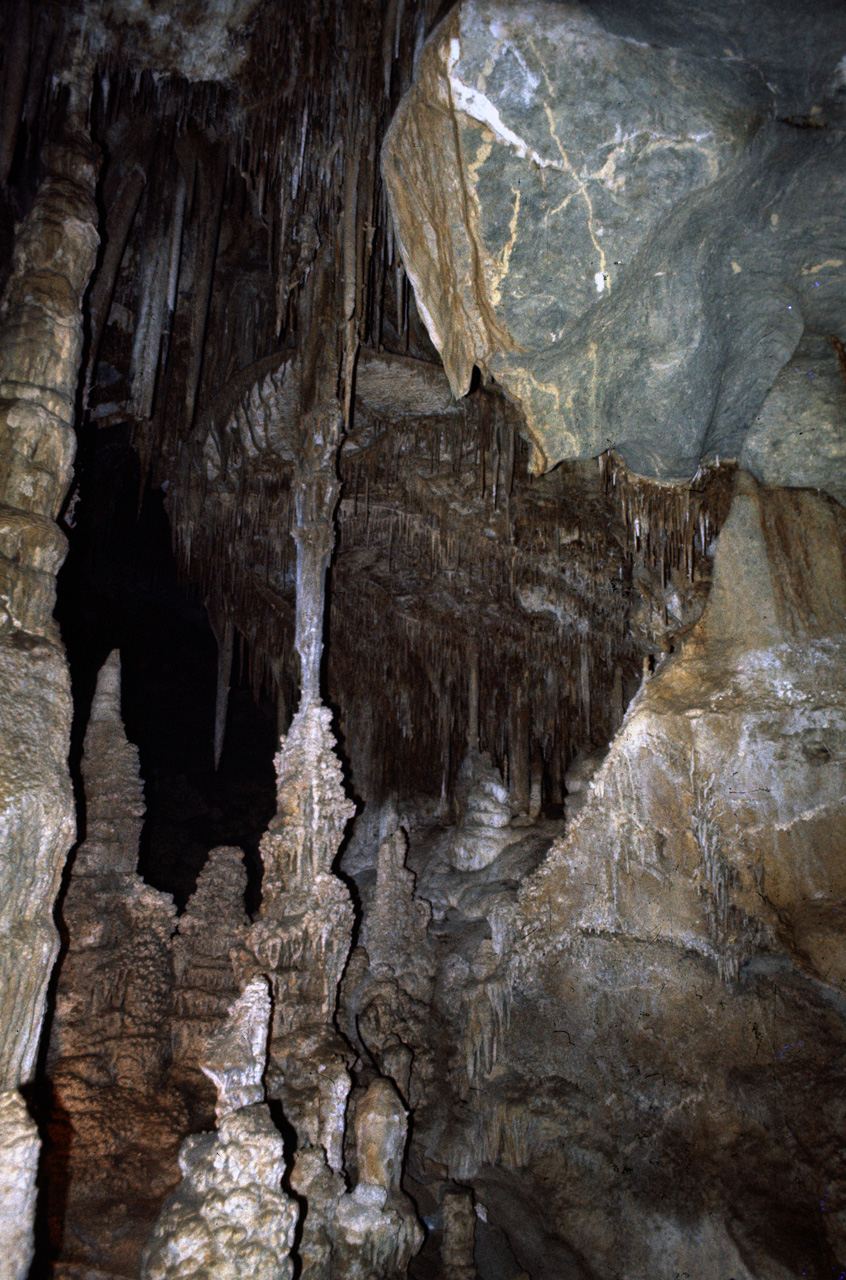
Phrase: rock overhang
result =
(627, 216)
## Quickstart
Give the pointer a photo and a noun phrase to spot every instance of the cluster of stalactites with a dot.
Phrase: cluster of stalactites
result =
(671, 526)
(223, 203)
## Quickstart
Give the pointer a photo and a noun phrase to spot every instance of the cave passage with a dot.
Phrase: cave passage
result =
(422, 642)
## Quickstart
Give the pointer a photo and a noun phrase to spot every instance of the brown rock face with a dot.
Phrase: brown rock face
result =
(116, 1123)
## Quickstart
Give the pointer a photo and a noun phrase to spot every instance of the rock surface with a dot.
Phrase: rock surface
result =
(19, 1147)
(230, 1219)
(115, 1124)
(663, 1093)
(40, 348)
(614, 211)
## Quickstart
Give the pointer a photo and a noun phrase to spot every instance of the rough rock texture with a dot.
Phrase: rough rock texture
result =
(801, 429)
(617, 212)
(663, 1093)
(115, 1124)
(40, 349)
(230, 1219)
(212, 926)
(19, 1146)
(484, 818)
(457, 1251)
(301, 940)
(375, 1232)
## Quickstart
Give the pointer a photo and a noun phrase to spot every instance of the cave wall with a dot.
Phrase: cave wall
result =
(40, 353)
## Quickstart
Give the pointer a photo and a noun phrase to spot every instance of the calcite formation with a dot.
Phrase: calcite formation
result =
(617, 212)
(41, 334)
(566, 981)
(375, 1231)
(116, 1123)
(230, 1218)
(211, 928)
(675, 953)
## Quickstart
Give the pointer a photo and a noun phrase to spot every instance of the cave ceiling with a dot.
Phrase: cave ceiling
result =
(255, 263)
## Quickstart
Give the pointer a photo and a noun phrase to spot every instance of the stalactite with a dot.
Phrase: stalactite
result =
(211, 178)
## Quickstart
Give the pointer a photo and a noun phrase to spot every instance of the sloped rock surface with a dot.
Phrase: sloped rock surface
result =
(665, 1091)
(612, 211)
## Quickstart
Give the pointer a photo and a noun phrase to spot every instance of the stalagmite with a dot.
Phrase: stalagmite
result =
(302, 936)
(212, 926)
(230, 1219)
(375, 1231)
(459, 1227)
(117, 1123)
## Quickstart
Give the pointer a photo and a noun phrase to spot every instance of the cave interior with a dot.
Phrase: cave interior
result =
(422, 638)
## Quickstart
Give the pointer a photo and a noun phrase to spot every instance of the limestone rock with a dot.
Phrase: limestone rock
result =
(484, 814)
(690, 905)
(394, 928)
(116, 1123)
(375, 1231)
(607, 209)
(213, 924)
(229, 1219)
(380, 1132)
(301, 940)
(800, 432)
(459, 1231)
(40, 348)
(19, 1146)
(236, 1058)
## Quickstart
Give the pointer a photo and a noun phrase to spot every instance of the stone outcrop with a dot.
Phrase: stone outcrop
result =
(40, 348)
(230, 1219)
(609, 210)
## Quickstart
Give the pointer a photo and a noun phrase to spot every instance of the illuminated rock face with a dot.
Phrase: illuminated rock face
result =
(41, 335)
(611, 210)
(229, 1218)
(674, 966)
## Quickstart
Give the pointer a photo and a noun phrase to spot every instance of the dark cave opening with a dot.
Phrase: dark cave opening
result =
(120, 589)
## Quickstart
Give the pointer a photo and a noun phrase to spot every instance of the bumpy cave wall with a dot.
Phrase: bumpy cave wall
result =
(563, 982)
(40, 351)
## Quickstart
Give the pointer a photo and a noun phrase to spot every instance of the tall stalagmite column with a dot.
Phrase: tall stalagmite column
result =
(40, 350)
(302, 936)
